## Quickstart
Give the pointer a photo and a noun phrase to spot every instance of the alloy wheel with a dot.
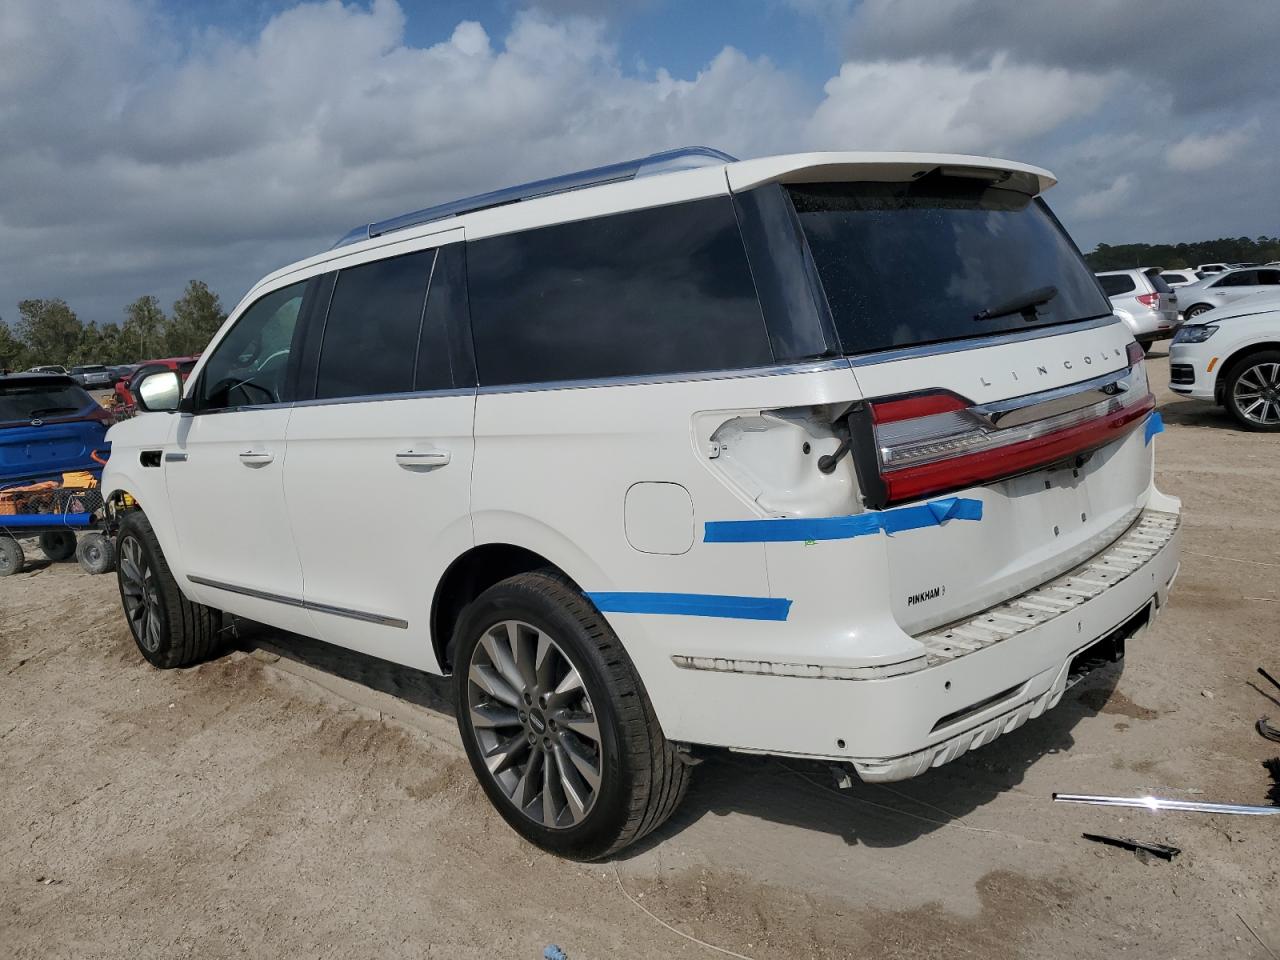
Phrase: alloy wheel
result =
(140, 593)
(534, 723)
(1256, 394)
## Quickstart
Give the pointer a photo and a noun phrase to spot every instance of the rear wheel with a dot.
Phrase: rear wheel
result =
(169, 629)
(556, 723)
(11, 558)
(58, 546)
(1252, 392)
(1194, 311)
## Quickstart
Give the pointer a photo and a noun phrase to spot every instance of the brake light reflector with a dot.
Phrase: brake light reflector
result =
(1148, 299)
(929, 443)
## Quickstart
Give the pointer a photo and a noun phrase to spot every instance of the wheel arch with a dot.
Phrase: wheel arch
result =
(469, 575)
(1228, 365)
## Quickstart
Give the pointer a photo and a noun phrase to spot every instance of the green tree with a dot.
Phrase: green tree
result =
(143, 334)
(49, 329)
(13, 355)
(197, 315)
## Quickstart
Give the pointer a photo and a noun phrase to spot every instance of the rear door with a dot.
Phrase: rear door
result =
(999, 384)
(379, 469)
(224, 470)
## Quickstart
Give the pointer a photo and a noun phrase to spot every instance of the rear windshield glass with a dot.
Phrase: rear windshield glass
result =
(913, 263)
(1158, 282)
(1117, 284)
(26, 402)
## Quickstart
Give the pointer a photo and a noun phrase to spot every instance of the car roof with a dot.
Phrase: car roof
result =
(39, 379)
(674, 176)
(1143, 271)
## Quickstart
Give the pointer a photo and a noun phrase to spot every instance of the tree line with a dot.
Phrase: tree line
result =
(49, 332)
(1169, 255)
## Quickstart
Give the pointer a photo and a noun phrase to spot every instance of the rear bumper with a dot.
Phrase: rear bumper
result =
(994, 679)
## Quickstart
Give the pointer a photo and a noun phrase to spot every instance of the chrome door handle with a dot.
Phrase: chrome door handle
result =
(422, 458)
(256, 458)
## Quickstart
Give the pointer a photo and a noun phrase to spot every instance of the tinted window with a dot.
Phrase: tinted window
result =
(1158, 283)
(1117, 284)
(26, 402)
(249, 365)
(370, 341)
(1269, 277)
(1241, 278)
(911, 263)
(1172, 278)
(664, 290)
(445, 317)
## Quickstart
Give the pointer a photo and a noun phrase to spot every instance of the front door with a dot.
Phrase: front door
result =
(379, 472)
(224, 471)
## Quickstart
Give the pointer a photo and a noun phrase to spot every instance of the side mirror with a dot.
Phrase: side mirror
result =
(158, 392)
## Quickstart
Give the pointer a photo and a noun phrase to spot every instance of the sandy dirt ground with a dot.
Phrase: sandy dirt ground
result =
(288, 799)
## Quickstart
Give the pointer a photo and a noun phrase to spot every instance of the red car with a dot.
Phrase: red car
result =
(124, 389)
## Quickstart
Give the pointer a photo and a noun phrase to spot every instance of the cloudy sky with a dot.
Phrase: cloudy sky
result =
(144, 143)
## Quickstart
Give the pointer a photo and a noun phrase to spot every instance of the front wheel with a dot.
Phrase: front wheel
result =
(1192, 312)
(1253, 391)
(169, 629)
(556, 722)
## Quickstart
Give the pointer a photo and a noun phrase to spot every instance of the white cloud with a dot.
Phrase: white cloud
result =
(1104, 202)
(1196, 153)
(916, 104)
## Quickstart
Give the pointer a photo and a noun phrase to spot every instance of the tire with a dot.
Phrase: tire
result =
(11, 556)
(169, 629)
(606, 725)
(59, 546)
(96, 553)
(1252, 391)
(1194, 311)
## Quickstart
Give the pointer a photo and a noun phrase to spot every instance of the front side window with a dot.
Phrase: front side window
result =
(1269, 278)
(655, 291)
(1241, 278)
(370, 344)
(912, 263)
(250, 364)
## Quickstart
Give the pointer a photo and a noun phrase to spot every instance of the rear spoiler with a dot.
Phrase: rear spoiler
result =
(884, 167)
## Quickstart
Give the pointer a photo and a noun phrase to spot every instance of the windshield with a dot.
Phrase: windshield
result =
(25, 402)
(911, 263)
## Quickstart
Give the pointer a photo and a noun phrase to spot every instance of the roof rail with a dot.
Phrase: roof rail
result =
(669, 161)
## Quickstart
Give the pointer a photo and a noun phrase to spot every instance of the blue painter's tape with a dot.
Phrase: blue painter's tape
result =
(792, 530)
(694, 605)
(1155, 424)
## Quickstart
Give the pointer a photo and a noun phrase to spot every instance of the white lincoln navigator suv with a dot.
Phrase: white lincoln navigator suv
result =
(834, 455)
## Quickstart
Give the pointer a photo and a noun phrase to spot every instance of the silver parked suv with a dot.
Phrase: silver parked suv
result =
(1219, 289)
(1144, 301)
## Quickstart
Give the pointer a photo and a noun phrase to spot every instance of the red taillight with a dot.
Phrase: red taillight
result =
(1148, 299)
(1135, 353)
(917, 405)
(931, 442)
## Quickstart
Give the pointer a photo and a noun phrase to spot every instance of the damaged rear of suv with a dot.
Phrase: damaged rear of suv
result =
(840, 456)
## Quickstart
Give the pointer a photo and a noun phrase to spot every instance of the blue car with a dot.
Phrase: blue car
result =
(49, 426)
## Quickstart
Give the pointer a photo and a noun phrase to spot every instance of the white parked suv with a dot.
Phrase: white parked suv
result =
(1231, 355)
(1219, 289)
(833, 455)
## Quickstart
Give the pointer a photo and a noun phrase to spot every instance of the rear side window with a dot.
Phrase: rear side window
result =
(1269, 277)
(1117, 284)
(1173, 278)
(663, 290)
(370, 343)
(21, 403)
(913, 263)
